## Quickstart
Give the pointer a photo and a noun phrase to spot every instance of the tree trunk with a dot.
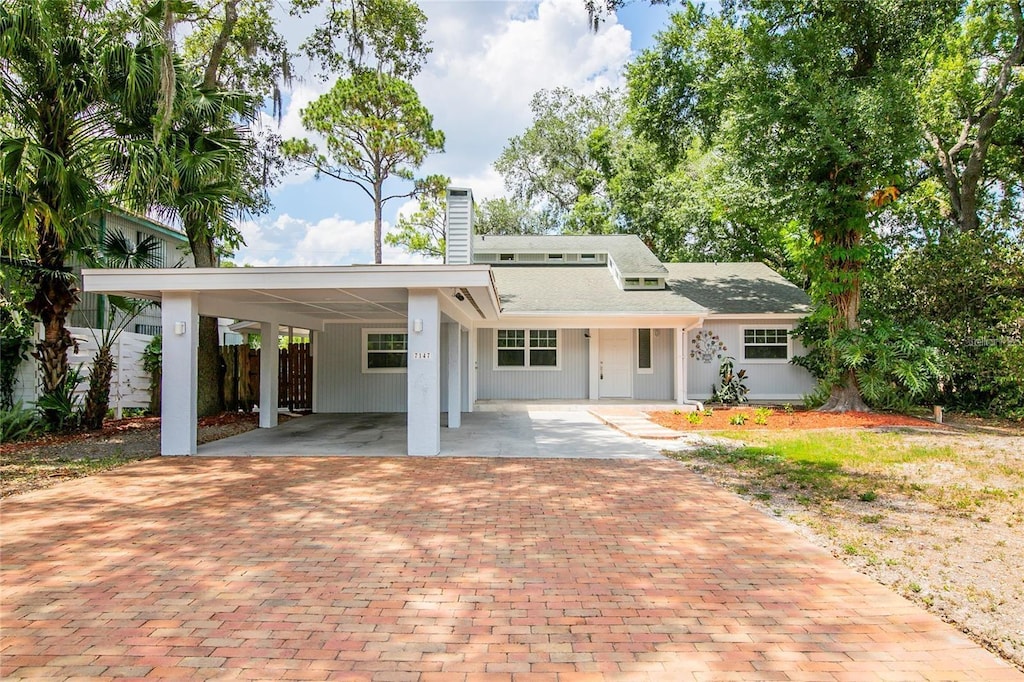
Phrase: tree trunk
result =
(845, 397)
(98, 398)
(844, 286)
(211, 378)
(55, 296)
(378, 192)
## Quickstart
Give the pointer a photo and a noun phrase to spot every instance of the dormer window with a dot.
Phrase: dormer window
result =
(588, 257)
(555, 257)
(649, 282)
(507, 257)
(632, 281)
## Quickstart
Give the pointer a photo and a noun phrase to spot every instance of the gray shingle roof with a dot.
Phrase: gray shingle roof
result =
(580, 289)
(631, 256)
(736, 288)
(692, 289)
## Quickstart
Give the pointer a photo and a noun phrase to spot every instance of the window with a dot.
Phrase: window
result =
(651, 282)
(766, 344)
(527, 348)
(632, 281)
(555, 257)
(643, 352)
(589, 257)
(148, 329)
(507, 257)
(385, 350)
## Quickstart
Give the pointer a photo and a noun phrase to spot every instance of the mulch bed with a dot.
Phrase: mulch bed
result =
(779, 419)
(114, 427)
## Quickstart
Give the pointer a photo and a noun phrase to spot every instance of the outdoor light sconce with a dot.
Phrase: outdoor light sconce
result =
(417, 325)
(459, 296)
(179, 328)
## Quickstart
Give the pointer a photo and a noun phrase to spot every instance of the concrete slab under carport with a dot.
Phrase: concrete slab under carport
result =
(518, 434)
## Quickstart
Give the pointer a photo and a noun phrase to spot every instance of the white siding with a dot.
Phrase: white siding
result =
(766, 380)
(569, 381)
(656, 385)
(459, 240)
(341, 384)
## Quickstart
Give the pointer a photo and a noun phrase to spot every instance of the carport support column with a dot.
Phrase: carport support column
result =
(454, 376)
(424, 375)
(269, 370)
(179, 378)
(679, 365)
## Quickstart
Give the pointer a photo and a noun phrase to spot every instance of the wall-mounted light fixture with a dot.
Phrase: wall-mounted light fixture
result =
(417, 325)
(179, 328)
(459, 296)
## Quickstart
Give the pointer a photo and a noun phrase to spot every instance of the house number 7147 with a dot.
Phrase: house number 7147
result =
(421, 355)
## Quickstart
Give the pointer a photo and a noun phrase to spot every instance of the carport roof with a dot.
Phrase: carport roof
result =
(311, 297)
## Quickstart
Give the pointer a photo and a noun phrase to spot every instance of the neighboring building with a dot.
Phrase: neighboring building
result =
(172, 252)
(580, 318)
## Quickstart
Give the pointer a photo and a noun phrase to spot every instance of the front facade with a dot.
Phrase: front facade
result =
(582, 318)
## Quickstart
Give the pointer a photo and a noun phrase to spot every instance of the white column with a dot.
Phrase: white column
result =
(269, 368)
(424, 377)
(179, 380)
(595, 364)
(471, 350)
(314, 350)
(679, 364)
(454, 375)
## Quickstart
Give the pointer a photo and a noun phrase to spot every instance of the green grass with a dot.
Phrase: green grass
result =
(824, 465)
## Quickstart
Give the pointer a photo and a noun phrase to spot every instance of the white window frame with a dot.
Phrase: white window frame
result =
(636, 339)
(526, 366)
(766, 361)
(365, 351)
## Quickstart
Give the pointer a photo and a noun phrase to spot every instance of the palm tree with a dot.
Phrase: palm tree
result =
(62, 75)
(198, 174)
(115, 251)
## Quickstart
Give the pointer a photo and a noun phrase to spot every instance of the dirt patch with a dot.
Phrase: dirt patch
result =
(724, 418)
(946, 531)
(52, 459)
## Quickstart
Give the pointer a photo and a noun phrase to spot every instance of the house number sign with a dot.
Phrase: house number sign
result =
(421, 355)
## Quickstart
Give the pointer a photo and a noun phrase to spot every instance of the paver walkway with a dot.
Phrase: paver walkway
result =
(440, 569)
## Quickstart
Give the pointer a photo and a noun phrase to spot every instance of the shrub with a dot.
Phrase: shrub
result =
(731, 389)
(738, 419)
(694, 418)
(761, 415)
(19, 423)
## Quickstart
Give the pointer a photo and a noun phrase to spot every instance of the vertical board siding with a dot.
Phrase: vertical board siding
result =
(659, 385)
(341, 384)
(570, 381)
(766, 381)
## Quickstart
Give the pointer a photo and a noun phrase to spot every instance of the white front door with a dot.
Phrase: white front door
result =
(616, 363)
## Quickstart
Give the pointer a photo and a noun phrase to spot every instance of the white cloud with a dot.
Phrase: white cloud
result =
(331, 241)
(484, 71)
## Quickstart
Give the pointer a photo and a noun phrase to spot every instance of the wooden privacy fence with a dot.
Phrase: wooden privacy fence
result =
(242, 377)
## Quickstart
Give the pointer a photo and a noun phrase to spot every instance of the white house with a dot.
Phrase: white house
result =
(504, 318)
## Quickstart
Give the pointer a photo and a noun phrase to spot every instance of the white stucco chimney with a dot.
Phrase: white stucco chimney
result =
(459, 241)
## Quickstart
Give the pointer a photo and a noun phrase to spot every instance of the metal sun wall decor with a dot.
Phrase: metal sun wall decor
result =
(707, 347)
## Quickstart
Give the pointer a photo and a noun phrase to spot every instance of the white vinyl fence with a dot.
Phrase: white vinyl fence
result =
(129, 383)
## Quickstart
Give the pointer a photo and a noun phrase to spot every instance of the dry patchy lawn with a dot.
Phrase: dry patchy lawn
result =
(937, 514)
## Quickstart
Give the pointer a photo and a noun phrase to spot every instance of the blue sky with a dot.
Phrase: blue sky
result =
(489, 58)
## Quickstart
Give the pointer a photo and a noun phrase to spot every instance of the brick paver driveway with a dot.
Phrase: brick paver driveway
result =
(446, 569)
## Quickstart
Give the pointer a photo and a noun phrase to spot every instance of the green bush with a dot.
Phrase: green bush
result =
(731, 389)
(18, 424)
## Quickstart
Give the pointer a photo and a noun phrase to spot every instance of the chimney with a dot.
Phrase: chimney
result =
(459, 240)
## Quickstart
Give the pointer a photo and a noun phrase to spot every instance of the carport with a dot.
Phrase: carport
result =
(420, 297)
